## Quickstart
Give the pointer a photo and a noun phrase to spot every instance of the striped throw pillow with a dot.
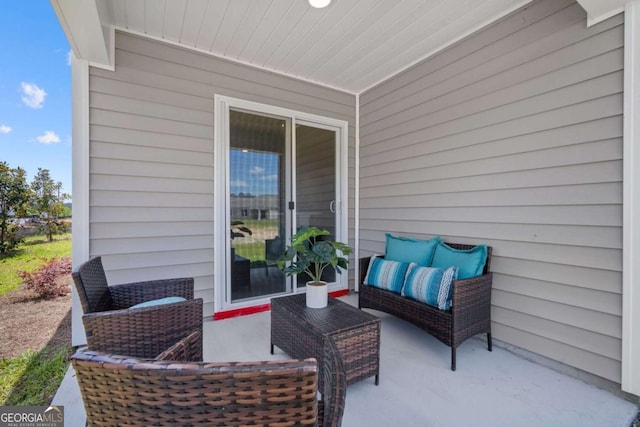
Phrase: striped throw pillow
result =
(430, 285)
(385, 274)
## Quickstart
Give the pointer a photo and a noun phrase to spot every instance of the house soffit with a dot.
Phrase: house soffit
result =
(352, 45)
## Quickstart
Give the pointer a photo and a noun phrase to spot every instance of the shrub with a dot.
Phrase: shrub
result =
(49, 228)
(10, 238)
(45, 281)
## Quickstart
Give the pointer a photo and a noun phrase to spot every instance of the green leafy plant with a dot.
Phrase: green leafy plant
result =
(310, 253)
(48, 203)
(14, 196)
(9, 239)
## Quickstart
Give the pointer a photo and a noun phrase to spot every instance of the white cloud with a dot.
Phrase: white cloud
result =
(69, 56)
(273, 177)
(33, 96)
(48, 137)
(238, 184)
(257, 170)
(5, 129)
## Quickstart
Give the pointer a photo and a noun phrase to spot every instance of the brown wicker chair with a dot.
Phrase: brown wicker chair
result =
(111, 326)
(119, 390)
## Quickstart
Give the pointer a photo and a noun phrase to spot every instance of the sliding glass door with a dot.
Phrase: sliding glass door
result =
(315, 184)
(282, 172)
(258, 195)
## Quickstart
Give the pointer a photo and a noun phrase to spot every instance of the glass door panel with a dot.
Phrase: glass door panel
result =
(315, 184)
(257, 190)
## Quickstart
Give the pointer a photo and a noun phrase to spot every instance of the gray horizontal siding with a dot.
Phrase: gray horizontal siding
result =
(513, 137)
(151, 155)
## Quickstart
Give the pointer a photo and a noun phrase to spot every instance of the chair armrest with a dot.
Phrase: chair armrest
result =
(143, 332)
(331, 407)
(128, 294)
(188, 349)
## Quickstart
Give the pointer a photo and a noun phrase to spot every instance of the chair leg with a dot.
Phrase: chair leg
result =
(489, 343)
(453, 358)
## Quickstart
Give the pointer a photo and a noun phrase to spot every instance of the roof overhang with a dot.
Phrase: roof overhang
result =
(351, 46)
(599, 10)
(83, 24)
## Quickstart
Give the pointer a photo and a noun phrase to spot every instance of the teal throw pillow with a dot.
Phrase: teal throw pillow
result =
(470, 262)
(153, 302)
(405, 249)
(430, 285)
(386, 274)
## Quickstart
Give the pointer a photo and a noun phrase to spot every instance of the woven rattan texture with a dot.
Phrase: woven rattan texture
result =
(119, 391)
(470, 312)
(334, 379)
(112, 327)
(305, 332)
(187, 349)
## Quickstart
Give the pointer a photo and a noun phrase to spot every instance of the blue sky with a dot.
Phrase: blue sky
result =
(253, 172)
(35, 90)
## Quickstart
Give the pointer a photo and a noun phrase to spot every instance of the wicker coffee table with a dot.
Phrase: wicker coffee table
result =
(303, 332)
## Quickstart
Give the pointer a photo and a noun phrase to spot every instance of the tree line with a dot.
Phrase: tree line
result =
(42, 198)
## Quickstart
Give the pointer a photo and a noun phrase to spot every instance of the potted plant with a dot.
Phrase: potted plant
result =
(312, 254)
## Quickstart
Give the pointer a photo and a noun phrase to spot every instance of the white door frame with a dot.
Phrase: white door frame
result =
(221, 198)
(631, 203)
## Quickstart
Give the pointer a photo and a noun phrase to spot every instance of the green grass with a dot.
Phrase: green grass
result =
(28, 257)
(251, 251)
(247, 247)
(32, 378)
(253, 224)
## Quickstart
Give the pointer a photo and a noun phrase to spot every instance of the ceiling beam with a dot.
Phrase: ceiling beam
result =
(599, 10)
(88, 37)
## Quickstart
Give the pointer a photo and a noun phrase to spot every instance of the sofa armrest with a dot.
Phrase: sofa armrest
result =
(471, 301)
(128, 294)
(468, 292)
(364, 267)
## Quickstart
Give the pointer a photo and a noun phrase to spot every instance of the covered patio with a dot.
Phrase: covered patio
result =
(508, 123)
(417, 387)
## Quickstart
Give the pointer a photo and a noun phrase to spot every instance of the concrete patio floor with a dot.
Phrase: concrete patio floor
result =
(417, 388)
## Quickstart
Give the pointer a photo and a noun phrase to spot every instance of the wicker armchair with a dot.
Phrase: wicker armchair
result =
(119, 390)
(111, 326)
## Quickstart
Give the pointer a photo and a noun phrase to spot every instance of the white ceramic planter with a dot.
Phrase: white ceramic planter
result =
(317, 295)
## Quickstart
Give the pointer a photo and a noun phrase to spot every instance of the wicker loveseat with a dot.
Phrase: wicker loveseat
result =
(120, 390)
(470, 311)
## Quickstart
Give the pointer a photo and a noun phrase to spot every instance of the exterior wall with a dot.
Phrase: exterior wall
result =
(151, 155)
(513, 137)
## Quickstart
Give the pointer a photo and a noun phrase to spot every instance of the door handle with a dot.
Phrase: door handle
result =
(332, 206)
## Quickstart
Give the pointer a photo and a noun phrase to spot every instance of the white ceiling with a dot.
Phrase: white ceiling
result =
(350, 45)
